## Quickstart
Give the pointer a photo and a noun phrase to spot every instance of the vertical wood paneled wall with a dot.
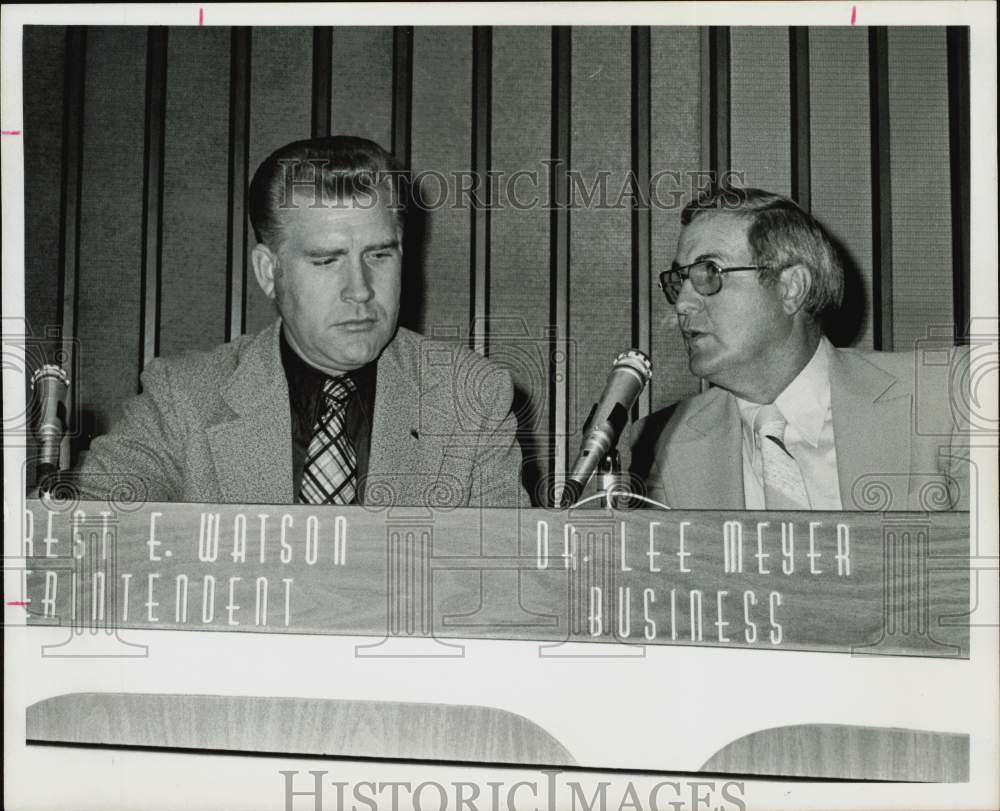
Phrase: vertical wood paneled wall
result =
(139, 145)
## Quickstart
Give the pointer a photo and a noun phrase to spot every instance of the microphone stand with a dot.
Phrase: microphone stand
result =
(46, 480)
(613, 486)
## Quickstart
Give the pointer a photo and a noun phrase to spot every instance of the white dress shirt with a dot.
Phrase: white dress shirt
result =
(805, 405)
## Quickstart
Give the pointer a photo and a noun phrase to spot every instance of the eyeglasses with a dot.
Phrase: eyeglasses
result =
(705, 276)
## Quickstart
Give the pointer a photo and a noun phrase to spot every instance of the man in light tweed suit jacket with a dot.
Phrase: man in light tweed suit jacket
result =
(429, 422)
(858, 430)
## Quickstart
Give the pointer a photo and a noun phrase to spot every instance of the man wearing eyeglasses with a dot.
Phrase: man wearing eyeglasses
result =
(790, 422)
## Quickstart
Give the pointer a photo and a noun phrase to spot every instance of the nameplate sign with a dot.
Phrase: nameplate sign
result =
(864, 583)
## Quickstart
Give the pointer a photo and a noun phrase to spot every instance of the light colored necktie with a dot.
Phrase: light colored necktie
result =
(784, 487)
(330, 473)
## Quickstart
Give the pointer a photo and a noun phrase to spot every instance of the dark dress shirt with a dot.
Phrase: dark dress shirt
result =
(305, 389)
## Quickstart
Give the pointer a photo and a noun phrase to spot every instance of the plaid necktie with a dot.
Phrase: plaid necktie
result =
(330, 474)
(784, 487)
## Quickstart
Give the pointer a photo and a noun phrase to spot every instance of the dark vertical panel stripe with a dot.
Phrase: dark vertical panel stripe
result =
(642, 271)
(878, 66)
(239, 148)
(152, 197)
(559, 373)
(798, 47)
(959, 134)
(411, 309)
(402, 91)
(482, 81)
(705, 85)
(72, 171)
(322, 79)
(715, 122)
(715, 113)
(71, 204)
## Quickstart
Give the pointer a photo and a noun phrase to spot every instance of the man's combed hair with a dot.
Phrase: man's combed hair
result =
(780, 235)
(324, 172)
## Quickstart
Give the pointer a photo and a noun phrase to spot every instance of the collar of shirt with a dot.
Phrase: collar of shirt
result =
(305, 387)
(805, 402)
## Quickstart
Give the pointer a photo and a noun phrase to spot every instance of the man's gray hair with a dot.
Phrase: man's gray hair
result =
(781, 234)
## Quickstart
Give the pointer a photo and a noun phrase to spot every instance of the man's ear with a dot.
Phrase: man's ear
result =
(794, 285)
(264, 265)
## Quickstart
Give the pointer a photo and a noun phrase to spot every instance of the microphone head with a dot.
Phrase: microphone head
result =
(49, 374)
(636, 361)
(629, 375)
(50, 384)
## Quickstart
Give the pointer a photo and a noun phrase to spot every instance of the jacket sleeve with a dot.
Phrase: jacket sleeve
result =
(496, 470)
(654, 488)
(139, 459)
(642, 455)
(955, 462)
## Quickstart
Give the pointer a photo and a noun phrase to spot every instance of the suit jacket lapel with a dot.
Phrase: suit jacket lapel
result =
(705, 468)
(252, 452)
(871, 425)
(398, 436)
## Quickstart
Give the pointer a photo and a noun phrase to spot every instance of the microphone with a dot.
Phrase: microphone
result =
(51, 386)
(628, 377)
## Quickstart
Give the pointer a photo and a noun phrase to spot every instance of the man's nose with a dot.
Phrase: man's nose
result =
(689, 301)
(357, 286)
